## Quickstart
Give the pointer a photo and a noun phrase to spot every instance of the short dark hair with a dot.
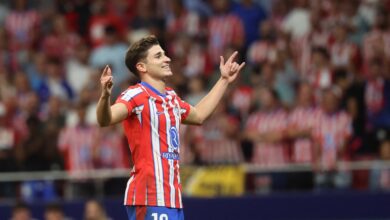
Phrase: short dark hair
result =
(20, 205)
(137, 51)
(322, 51)
(53, 207)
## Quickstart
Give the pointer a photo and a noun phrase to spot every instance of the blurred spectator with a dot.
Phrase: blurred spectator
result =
(78, 72)
(101, 18)
(302, 47)
(224, 29)
(320, 74)
(356, 23)
(111, 52)
(331, 136)
(368, 10)
(146, 21)
(77, 144)
(297, 21)
(251, 15)
(21, 211)
(343, 53)
(197, 90)
(111, 151)
(216, 141)
(376, 43)
(54, 119)
(302, 121)
(77, 14)
(199, 6)
(301, 124)
(265, 48)
(36, 70)
(286, 77)
(352, 101)
(8, 142)
(3, 13)
(88, 98)
(5, 55)
(377, 96)
(61, 42)
(55, 84)
(182, 21)
(266, 129)
(380, 177)
(93, 210)
(53, 211)
(22, 37)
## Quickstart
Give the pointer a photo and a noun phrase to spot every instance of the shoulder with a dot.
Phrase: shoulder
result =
(170, 91)
(132, 92)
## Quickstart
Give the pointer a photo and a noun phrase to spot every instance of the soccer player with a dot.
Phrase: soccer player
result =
(151, 114)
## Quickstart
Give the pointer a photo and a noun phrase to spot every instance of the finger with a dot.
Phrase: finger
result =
(231, 58)
(109, 71)
(241, 66)
(108, 82)
(105, 70)
(222, 61)
(235, 66)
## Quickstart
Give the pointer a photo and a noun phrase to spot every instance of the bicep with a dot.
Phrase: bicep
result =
(193, 117)
(119, 113)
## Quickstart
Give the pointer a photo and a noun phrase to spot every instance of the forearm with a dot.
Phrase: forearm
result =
(208, 104)
(103, 111)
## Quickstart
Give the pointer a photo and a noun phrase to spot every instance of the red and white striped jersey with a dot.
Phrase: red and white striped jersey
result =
(302, 49)
(213, 142)
(78, 144)
(152, 130)
(375, 41)
(302, 118)
(224, 31)
(241, 99)
(343, 54)
(19, 26)
(331, 133)
(262, 51)
(269, 154)
(187, 22)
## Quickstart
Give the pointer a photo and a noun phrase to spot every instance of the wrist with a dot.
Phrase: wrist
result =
(224, 80)
(105, 95)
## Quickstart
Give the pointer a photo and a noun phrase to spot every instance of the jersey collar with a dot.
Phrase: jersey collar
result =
(152, 88)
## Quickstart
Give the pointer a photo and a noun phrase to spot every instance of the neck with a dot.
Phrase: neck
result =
(158, 84)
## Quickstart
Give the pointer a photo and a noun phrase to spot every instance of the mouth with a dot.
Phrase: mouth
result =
(167, 67)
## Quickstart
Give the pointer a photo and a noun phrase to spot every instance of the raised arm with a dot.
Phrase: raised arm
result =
(107, 114)
(229, 72)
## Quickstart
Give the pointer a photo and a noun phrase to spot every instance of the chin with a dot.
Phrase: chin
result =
(168, 73)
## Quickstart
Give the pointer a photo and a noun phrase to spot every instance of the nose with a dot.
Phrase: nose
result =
(167, 59)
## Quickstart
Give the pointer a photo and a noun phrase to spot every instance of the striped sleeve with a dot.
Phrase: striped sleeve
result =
(184, 109)
(127, 97)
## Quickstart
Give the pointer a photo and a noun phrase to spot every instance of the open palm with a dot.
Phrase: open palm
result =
(230, 69)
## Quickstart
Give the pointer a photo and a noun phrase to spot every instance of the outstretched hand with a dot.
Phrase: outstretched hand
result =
(106, 81)
(230, 69)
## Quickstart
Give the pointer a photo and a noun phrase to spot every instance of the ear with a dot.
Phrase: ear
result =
(141, 67)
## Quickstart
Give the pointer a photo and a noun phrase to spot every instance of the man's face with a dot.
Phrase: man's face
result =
(157, 64)
(329, 102)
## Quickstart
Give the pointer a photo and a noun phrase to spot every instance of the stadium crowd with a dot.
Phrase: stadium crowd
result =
(316, 90)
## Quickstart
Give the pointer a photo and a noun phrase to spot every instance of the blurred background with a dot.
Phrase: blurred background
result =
(303, 133)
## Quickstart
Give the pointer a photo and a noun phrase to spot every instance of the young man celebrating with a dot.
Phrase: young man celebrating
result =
(151, 115)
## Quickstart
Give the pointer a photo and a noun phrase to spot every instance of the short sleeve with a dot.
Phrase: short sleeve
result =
(128, 98)
(184, 109)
